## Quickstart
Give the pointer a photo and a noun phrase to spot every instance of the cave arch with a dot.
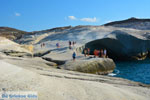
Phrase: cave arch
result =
(111, 45)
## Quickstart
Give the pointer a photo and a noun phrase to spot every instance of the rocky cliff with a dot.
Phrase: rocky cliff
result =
(121, 43)
(123, 39)
(122, 46)
(11, 33)
(135, 23)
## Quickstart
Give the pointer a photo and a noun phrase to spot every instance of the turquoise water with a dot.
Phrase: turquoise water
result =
(133, 70)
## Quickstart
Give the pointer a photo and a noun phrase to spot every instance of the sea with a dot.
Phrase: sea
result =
(138, 71)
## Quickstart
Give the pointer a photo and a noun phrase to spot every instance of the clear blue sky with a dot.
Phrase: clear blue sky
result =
(31, 15)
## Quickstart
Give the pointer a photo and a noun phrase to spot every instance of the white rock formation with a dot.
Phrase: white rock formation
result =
(10, 47)
(95, 66)
(55, 84)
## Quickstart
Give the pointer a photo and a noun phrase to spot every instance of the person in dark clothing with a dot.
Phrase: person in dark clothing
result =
(69, 44)
(74, 56)
(57, 45)
(43, 44)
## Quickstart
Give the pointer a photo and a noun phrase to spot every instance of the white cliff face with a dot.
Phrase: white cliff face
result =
(122, 45)
(86, 33)
(128, 42)
(81, 35)
(8, 45)
(36, 74)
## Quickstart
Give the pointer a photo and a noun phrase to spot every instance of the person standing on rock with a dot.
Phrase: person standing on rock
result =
(101, 53)
(88, 51)
(95, 53)
(105, 53)
(69, 44)
(98, 53)
(74, 56)
(73, 43)
(57, 45)
(85, 52)
(41, 45)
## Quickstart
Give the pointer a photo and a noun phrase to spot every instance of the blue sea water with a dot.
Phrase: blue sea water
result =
(133, 70)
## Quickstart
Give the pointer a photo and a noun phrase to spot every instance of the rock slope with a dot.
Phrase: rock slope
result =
(55, 84)
(125, 40)
(11, 48)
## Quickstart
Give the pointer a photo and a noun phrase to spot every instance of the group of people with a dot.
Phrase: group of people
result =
(100, 53)
(86, 52)
(71, 44)
(42, 45)
(97, 53)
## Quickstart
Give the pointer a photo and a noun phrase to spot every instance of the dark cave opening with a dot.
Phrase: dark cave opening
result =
(107, 44)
